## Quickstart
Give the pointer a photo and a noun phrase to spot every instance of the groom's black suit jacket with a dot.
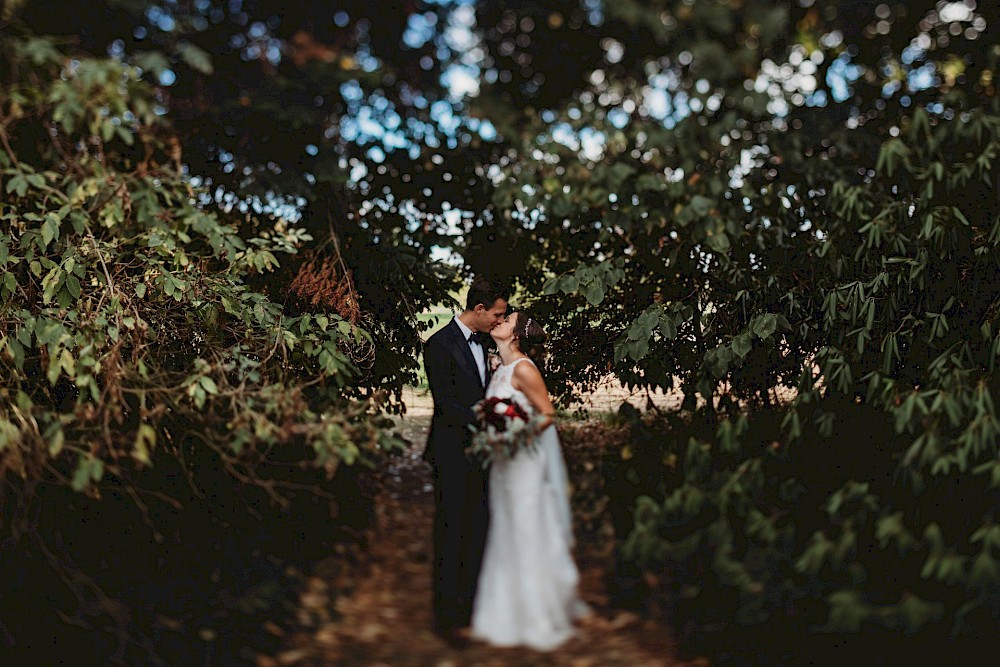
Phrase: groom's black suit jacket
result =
(455, 385)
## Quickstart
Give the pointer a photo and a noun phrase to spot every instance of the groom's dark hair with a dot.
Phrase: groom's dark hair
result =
(486, 292)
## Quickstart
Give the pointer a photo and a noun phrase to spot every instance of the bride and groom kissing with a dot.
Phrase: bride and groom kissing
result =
(503, 571)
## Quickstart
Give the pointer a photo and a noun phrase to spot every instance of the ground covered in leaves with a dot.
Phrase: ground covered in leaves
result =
(378, 611)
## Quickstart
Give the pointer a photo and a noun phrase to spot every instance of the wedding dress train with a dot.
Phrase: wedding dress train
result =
(527, 592)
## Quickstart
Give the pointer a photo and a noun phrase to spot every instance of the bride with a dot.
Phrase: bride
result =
(527, 592)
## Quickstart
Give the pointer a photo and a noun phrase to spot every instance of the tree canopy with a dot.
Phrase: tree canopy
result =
(736, 199)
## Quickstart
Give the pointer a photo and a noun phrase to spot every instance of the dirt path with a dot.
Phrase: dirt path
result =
(386, 619)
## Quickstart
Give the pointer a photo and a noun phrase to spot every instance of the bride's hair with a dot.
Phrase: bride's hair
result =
(530, 337)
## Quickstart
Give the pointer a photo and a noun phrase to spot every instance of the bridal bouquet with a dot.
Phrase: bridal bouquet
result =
(502, 429)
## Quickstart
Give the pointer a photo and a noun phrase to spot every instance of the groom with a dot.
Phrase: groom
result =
(457, 372)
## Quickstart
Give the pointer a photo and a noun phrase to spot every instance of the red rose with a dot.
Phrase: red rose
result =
(511, 411)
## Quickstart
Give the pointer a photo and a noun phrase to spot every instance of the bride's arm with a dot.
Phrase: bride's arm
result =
(529, 381)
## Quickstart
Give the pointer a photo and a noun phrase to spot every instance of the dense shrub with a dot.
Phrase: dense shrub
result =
(865, 507)
(167, 430)
(789, 213)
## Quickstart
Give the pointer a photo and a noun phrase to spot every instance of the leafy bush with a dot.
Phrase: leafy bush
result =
(150, 386)
(866, 506)
(768, 206)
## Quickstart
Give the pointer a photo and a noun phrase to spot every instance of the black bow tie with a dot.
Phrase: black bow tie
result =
(476, 337)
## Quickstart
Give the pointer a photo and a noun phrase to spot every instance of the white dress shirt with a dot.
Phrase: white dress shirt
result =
(478, 353)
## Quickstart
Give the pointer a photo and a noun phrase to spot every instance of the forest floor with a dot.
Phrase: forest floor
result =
(384, 619)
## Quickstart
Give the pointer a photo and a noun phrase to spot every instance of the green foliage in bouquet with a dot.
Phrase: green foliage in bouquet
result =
(503, 428)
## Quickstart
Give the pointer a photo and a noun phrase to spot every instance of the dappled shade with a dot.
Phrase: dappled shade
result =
(224, 222)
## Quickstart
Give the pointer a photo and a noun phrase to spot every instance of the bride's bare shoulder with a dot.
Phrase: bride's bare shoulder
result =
(526, 372)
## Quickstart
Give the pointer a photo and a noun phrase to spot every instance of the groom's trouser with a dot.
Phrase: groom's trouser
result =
(460, 522)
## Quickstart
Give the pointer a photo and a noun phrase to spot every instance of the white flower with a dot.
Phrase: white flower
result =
(500, 408)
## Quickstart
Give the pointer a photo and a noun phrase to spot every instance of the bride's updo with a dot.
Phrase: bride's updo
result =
(530, 337)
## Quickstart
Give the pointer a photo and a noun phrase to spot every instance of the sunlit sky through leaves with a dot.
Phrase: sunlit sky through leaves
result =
(448, 31)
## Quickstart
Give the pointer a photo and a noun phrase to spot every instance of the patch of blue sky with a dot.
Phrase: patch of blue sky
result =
(911, 54)
(891, 87)
(681, 106)
(257, 30)
(840, 75)
(818, 98)
(595, 11)
(460, 34)
(362, 126)
(274, 53)
(452, 3)
(588, 142)
(657, 100)
(358, 171)
(487, 131)
(461, 81)
(373, 117)
(923, 77)
(395, 141)
(618, 117)
(563, 133)
(420, 29)
(443, 113)
(160, 18)
(351, 91)
(593, 143)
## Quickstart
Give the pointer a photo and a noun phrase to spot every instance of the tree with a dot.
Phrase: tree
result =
(265, 102)
(737, 199)
(143, 368)
(750, 198)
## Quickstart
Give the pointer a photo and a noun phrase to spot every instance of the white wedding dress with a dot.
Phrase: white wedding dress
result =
(527, 592)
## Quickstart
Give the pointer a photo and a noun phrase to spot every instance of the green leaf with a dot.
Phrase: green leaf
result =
(81, 478)
(920, 123)
(145, 440)
(18, 185)
(985, 573)
(153, 61)
(196, 58)
(73, 285)
(50, 229)
(668, 327)
(701, 205)
(87, 470)
(57, 440)
(621, 350)
(594, 293)
(719, 242)
(741, 345)
(765, 325)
